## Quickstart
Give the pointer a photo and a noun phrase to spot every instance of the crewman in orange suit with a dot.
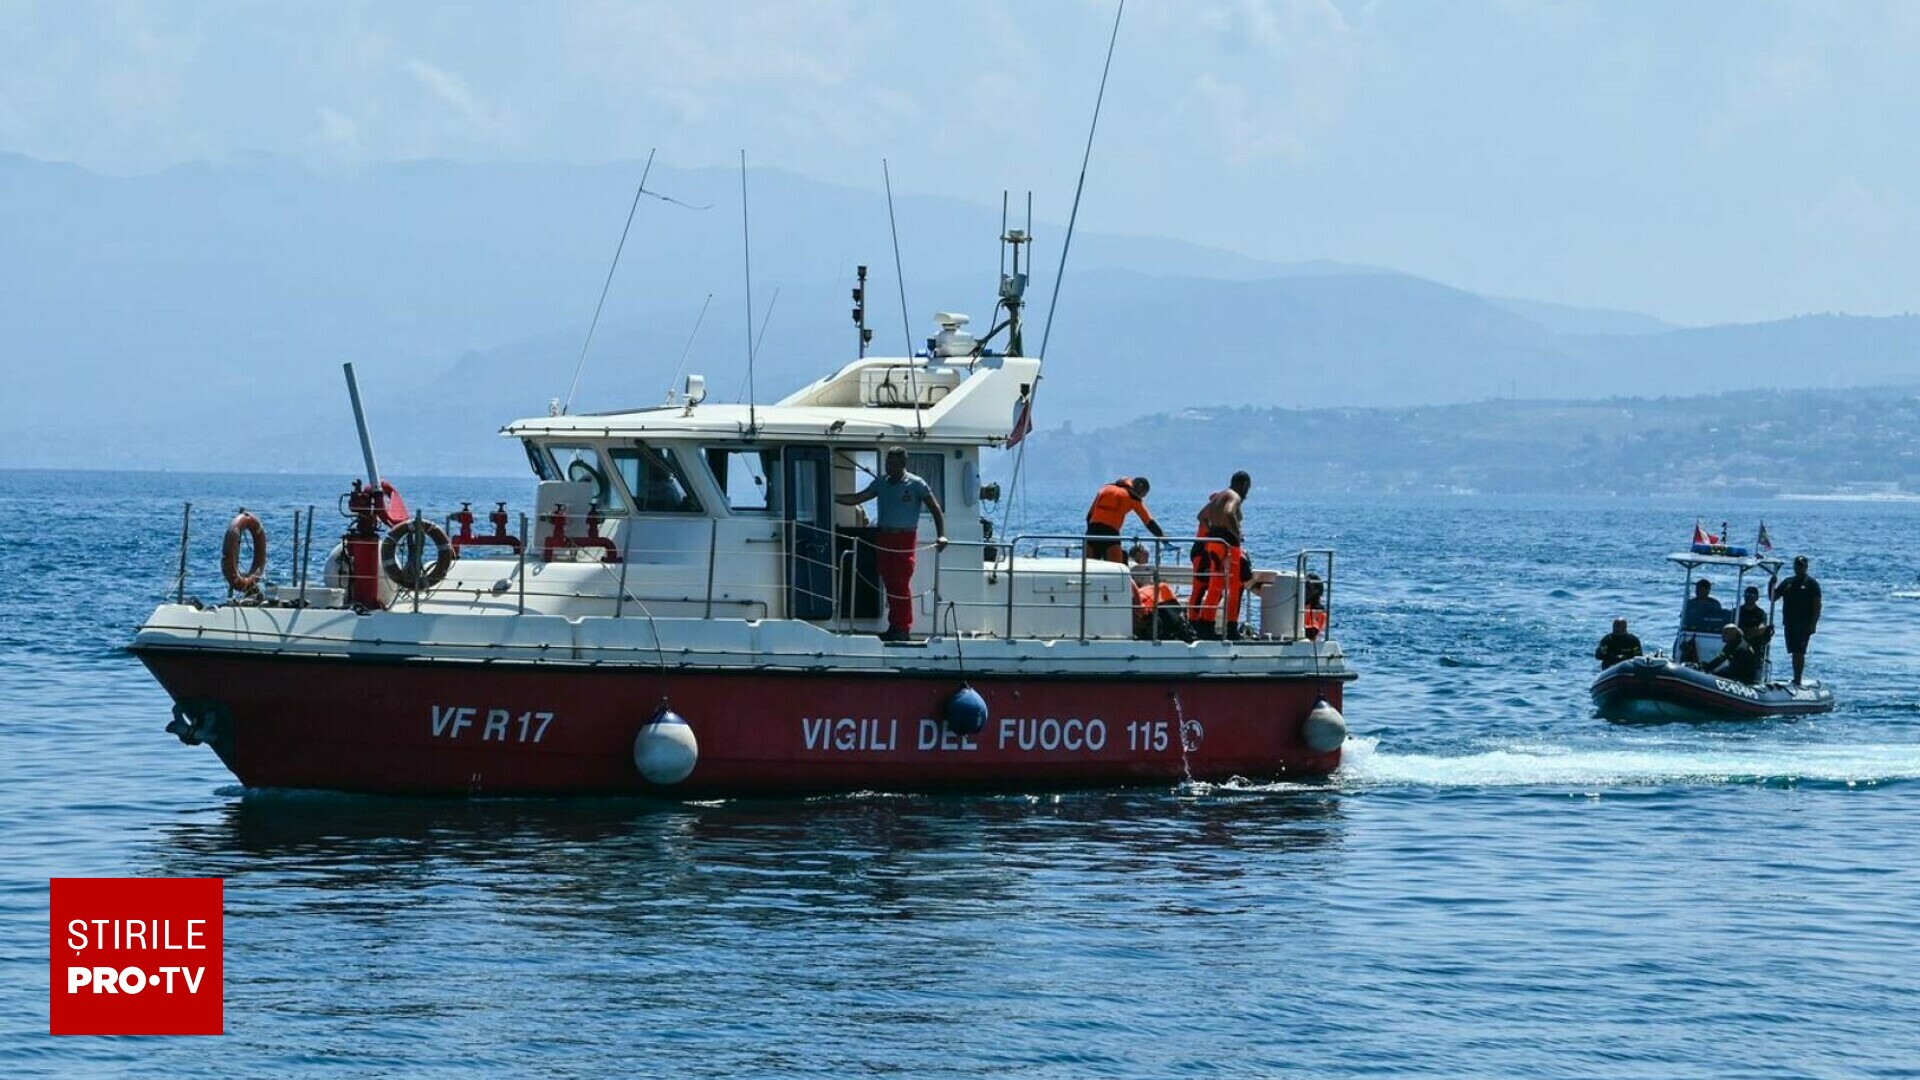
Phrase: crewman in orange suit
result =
(1149, 597)
(1218, 563)
(1109, 511)
(1315, 615)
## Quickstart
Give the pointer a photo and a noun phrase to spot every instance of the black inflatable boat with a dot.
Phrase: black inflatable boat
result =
(1656, 689)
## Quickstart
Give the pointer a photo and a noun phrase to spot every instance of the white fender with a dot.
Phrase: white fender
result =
(665, 750)
(1324, 730)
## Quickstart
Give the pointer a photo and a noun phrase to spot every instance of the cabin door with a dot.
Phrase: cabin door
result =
(809, 524)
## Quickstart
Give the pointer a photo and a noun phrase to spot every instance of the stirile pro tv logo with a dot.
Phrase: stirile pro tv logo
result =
(135, 956)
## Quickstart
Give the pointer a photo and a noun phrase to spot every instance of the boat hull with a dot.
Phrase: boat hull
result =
(1656, 690)
(381, 725)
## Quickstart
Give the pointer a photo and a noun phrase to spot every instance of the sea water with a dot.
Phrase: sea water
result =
(1495, 883)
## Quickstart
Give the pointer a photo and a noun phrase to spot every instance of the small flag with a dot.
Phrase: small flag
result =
(1765, 542)
(1022, 420)
(1702, 536)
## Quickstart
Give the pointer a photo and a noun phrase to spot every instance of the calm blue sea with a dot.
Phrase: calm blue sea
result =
(1497, 883)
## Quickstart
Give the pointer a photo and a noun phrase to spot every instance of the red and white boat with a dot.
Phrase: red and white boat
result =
(692, 614)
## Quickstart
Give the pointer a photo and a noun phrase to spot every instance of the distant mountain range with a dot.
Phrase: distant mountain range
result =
(1755, 443)
(196, 318)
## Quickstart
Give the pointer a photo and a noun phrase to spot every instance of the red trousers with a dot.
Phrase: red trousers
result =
(894, 562)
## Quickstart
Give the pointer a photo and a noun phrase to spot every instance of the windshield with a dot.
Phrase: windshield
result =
(582, 465)
(655, 480)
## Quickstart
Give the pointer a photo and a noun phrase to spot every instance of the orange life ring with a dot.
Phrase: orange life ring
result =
(248, 582)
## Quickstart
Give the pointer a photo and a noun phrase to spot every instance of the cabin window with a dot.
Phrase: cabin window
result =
(745, 476)
(931, 467)
(655, 480)
(582, 465)
(804, 495)
(542, 468)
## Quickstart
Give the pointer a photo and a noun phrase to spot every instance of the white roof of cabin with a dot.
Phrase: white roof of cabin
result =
(980, 410)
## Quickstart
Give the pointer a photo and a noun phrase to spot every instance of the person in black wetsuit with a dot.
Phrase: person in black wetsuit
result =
(1799, 598)
(1617, 646)
(1752, 619)
(1703, 613)
(1737, 660)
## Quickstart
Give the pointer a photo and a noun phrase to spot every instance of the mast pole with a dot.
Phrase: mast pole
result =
(1066, 245)
(746, 247)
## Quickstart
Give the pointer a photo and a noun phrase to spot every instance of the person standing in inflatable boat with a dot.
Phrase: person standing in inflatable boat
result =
(1799, 598)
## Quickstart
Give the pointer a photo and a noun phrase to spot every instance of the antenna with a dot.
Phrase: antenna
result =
(1003, 230)
(746, 248)
(765, 319)
(581, 364)
(684, 353)
(906, 326)
(1066, 245)
(759, 338)
(1013, 287)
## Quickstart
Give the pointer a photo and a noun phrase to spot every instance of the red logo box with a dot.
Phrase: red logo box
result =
(135, 956)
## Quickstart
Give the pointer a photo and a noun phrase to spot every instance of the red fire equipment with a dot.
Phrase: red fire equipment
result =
(558, 540)
(463, 536)
(362, 543)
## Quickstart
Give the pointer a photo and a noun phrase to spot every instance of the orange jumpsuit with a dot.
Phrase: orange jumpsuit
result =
(1218, 574)
(1109, 511)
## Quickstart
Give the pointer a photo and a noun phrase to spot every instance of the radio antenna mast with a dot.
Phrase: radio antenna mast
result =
(684, 353)
(1013, 287)
(581, 364)
(906, 324)
(759, 339)
(746, 248)
(1066, 245)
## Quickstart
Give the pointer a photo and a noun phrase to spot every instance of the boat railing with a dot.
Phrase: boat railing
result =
(1002, 559)
(975, 587)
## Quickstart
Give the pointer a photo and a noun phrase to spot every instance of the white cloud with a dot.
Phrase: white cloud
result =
(453, 91)
(1277, 77)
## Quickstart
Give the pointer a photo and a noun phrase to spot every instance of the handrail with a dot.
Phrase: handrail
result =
(180, 583)
(713, 544)
(1304, 576)
(1011, 546)
(662, 564)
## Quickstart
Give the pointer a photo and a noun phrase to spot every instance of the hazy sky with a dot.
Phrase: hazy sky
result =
(1698, 161)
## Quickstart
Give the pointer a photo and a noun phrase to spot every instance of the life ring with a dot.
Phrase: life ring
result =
(249, 582)
(430, 574)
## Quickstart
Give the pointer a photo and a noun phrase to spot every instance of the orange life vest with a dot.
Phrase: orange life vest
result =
(1147, 597)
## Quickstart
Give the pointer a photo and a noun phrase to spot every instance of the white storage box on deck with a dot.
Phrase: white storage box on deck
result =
(319, 596)
(1279, 592)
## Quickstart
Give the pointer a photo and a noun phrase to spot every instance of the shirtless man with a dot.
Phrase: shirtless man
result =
(1217, 560)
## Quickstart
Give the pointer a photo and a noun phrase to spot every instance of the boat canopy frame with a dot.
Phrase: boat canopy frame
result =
(1742, 565)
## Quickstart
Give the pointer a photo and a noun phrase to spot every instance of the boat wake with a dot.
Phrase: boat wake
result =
(1366, 765)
